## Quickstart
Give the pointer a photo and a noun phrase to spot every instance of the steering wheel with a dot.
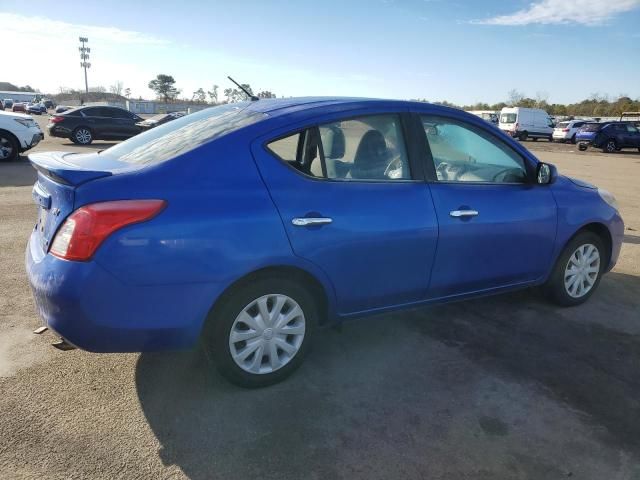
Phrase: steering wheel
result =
(394, 164)
(442, 171)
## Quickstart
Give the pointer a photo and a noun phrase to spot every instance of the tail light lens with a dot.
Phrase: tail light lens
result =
(82, 233)
(565, 129)
(56, 119)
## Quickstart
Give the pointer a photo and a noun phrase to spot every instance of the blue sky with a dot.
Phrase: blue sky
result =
(461, 51)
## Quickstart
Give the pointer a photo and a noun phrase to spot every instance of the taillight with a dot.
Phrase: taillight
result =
(82, 233)
(56, 119)
(565, 129)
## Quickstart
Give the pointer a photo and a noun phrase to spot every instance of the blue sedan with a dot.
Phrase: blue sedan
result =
(248, 225)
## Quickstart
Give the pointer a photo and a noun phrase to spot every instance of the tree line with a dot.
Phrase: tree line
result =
(597, 105)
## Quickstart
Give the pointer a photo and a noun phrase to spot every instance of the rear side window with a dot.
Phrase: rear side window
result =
(562, 125)
(183, 134)
(364, 148)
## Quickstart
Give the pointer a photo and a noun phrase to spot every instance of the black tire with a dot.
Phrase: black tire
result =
(550, 139)
(220, 321)
(555, 285)
(9, 147)
(523, 136)
(82, 136)
(535, 139)
(610, 146)
(582, 147)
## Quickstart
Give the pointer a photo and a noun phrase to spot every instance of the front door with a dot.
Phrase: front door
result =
(352, 204)
(497, 227)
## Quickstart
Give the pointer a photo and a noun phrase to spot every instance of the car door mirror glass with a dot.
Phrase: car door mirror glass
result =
(546, 173)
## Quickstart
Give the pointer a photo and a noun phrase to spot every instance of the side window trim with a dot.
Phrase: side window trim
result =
(430, 170)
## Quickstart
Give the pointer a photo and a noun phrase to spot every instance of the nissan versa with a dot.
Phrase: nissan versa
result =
(248, 225)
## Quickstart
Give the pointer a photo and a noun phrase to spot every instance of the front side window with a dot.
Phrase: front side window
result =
(508, 118)
(631, 128)
(364, 148)
(462, 153)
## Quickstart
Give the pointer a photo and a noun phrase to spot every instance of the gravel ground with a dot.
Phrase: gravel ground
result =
(506, 387)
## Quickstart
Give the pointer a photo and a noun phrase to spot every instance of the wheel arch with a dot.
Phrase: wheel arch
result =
(12, 136)
(599, 229)
(319, 291)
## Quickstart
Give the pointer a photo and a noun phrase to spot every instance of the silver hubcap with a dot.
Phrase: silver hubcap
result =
(267, 334)
(83, 136)
(611, 146)
(6, 149)
(582, 270)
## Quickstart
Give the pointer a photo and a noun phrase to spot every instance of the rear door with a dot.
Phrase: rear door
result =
(497, 227)
(353, 201)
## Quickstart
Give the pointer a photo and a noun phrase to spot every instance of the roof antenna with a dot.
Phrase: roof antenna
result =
(247, 93)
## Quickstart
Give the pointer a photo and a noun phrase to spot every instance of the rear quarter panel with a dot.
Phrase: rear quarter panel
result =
(219, 225)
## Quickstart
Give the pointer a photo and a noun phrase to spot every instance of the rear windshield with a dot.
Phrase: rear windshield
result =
(183, 134)
(591, 127)
(562, 125)
(508, 118)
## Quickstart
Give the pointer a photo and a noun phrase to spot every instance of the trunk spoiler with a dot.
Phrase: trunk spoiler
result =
(59, 167)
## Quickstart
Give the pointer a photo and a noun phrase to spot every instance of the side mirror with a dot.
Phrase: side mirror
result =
(546, 173)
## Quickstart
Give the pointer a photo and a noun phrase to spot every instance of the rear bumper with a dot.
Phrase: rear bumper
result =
(58, 131)
(93, 310)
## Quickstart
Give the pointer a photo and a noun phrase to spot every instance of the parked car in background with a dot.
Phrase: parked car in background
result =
(566, 131)
(49, 104)
(19, 107)
(8, 103)
(18, 133)
(245, 226)
(1, 105)
(523, 123)
(159, 120)
(83, 125)
(612, 137)
(37, 108)
(586, 133)
(62, 108)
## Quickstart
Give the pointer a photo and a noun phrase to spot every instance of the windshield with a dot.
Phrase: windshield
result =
(183, 134)
(508, 118)
(591, 127)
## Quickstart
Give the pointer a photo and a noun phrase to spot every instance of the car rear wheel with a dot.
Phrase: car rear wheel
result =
(610, 146)
(578, 270)
(259, 334)
(523, 136)
(550, 138)
(8, 148)
(82, 136)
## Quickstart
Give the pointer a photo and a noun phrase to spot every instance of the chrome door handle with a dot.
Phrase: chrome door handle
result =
(306, 221)
(463, 213)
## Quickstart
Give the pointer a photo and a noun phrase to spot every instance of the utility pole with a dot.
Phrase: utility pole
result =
(84, 56)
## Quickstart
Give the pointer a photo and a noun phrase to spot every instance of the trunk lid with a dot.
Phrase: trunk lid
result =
(59, 175)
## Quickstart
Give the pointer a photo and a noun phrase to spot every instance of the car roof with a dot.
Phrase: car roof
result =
(279, 106)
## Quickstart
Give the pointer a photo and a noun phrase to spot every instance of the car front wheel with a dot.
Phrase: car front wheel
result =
(578, 270)
(82, 136)
(259, 334)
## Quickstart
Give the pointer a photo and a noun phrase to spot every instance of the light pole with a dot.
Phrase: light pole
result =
(84, 56)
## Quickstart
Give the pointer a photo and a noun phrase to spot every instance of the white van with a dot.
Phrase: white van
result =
(489, 116)
(523, 123)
